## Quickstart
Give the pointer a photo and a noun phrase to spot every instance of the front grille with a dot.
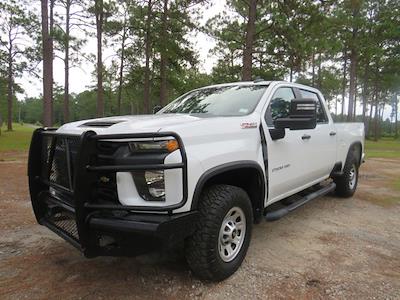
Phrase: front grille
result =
(59, 155)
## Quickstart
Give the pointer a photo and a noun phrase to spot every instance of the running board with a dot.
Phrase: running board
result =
(279, 213)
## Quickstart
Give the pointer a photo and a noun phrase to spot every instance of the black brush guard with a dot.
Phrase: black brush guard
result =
(63, 170)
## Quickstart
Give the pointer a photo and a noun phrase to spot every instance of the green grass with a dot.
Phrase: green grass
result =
(16, 140)
(385, 148)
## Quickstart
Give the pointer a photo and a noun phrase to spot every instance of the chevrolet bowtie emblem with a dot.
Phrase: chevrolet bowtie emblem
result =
(104, 179)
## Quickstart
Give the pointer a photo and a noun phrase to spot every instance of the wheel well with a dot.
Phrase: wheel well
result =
(249, 178)
(356, 150)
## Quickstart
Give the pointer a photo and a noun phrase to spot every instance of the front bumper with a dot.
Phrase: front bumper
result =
(115, 233)
(69, 206)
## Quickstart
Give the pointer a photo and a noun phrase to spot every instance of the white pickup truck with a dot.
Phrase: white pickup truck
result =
(202, 171)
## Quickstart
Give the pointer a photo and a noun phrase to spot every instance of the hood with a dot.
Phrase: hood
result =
(127, 124)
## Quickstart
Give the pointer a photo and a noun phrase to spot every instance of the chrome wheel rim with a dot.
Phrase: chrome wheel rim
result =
(232, 234)
(352, 177)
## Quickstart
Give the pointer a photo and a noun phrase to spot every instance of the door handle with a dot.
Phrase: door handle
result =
(332, 133)
(306, 137)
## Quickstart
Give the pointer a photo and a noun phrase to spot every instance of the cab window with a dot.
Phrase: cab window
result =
(321, 115)
(279, 107)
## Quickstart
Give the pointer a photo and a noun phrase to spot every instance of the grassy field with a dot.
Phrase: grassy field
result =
(386, 148)
(18, 139)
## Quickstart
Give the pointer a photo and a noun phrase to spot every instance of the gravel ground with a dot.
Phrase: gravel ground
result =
(329, 249)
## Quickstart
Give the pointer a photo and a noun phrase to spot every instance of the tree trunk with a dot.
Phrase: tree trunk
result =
(364, 93)
(381, 121)
(344, 82)
(313, 67)
(352, 86)
(66, 61)
(368, 128)
(99, 33)
(376, 118)
(396, 111)
(378, 134)
(51, 42)
(164, 58)
(146, 89)
(248, 49)
(355, 101)
(319, 70)
(121, 70)
(10, 82)
(353, 58)
(291, 73)
(47, 67)
(336, 105)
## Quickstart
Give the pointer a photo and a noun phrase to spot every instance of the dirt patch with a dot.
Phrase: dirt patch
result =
(13, 156)
(331, 248)
(378, 182)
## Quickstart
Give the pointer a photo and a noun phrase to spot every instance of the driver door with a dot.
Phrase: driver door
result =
(287, 157)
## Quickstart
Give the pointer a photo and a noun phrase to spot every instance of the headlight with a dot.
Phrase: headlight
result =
(150, 185)
(154, 146)
(155, 183)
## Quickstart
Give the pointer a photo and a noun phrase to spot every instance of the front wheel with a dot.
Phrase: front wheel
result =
(220, 242)
(346, 184)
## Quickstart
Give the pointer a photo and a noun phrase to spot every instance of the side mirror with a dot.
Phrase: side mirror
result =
(157, 108)
(303, 115)
(277, 133)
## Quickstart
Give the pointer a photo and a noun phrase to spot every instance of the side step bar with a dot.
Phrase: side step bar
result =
(279, 213)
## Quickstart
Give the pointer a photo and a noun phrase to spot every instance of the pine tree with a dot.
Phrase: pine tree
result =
(18, 28)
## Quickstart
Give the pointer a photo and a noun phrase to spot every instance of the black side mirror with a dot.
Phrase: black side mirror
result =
(303, 115)
(157, 108)
(277, 133)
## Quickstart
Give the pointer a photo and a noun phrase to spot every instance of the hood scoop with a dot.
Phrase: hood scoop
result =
(100, 124)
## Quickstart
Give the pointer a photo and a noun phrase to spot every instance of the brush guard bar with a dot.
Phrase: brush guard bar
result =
(75, 216)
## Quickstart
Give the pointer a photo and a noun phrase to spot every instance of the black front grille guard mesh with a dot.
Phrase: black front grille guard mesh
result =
(58, 159)
(68, 163)
(65, 221)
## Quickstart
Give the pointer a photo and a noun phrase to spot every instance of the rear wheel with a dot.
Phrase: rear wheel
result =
(346, 184)
(219, 245)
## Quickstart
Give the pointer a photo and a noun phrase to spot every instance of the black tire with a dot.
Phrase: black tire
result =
(344, 188)
(202, 248)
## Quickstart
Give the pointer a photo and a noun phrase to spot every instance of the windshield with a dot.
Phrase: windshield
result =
(233, 100)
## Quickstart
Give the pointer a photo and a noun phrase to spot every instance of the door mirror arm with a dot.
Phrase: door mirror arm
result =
(277, 133)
